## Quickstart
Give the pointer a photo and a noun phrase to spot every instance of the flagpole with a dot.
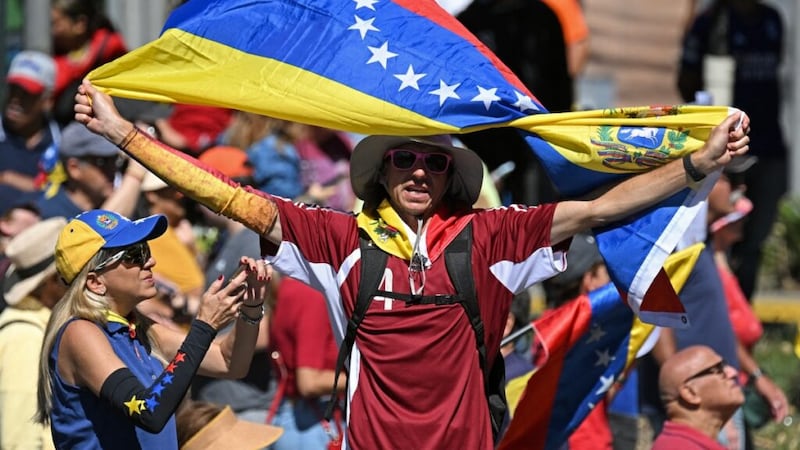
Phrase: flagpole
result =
(516, 335)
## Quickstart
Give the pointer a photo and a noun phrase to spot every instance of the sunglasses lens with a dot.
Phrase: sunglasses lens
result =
(436, 163)
(137, 254)
(403, 159)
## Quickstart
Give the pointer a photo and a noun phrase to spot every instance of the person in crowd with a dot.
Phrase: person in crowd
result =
(700, 392)
(193, 128)
(249, 397)
(418, 195)
(83, 38)
(31, 289)
(270, 152)
(325, 160)
(27, 131)
(90, 166)
(703, 297)
(179, 276)
(301, 335)
(209, 426)
(725, 232)
(15, 217)
(742, 41)
(110, 379)
(576, 33)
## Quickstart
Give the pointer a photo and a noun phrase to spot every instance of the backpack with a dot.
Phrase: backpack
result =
(459, 267)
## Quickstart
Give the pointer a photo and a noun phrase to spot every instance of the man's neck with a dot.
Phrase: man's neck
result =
(702, 421)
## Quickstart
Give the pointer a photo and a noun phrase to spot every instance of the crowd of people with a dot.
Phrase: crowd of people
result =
(182, 276)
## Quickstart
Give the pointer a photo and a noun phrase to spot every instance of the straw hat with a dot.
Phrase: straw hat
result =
(367, 160)
(226, 431)
(32, 259)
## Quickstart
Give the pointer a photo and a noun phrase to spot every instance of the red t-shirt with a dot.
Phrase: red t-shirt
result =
(199, 125)
(102, 48)
(414, 379)
(301, 331)
(679, 436)
(746, 324)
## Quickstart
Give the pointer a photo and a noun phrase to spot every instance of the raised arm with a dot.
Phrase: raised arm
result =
(203, 184)
(230, 356)
(728, 139)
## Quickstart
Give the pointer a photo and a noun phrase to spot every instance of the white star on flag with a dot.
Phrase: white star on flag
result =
(409, 79)
(604, 358)
(525, 103)
(363, 26)
(606, 383)
(596, 333)
(487, 96)
(380, 54)
(365, 4)
(445, 91)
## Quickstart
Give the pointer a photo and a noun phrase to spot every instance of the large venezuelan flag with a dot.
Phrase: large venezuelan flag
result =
(407, 67)
(591, 343)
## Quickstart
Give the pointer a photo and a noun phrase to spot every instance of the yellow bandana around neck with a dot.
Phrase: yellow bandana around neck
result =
(112, 316)
(387, 230)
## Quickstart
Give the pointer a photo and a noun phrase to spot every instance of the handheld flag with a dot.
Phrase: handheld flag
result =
(407, 67)
(592, 342)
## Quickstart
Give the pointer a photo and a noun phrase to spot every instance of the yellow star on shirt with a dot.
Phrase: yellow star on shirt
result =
(135, 406)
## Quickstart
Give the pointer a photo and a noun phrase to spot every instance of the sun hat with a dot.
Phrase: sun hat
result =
(741, 208)
(93, 230)
(226, 431)
(367, 160)
(33, 71)
(32, 259)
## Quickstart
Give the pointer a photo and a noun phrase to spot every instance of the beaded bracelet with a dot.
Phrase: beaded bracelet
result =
(251, 320)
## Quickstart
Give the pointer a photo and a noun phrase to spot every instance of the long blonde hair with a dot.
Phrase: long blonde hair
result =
(77, 302)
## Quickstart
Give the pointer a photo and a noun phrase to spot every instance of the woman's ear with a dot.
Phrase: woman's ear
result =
(94, 284)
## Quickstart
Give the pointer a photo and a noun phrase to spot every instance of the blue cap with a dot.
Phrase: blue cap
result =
(93, 230)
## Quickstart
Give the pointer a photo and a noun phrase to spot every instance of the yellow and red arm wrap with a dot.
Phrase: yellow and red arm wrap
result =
(204, 184)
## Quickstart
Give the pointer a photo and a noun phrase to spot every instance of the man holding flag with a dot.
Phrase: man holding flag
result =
(415, 379)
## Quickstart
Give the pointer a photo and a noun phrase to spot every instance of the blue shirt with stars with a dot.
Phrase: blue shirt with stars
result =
(81, 420)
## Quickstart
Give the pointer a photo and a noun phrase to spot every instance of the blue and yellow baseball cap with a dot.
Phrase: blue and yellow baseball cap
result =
(93, 230)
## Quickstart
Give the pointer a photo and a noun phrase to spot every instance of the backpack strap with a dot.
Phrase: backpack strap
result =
(458, 259)
(373, 260)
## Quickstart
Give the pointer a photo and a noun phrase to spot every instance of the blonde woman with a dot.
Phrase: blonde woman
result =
(110, 379)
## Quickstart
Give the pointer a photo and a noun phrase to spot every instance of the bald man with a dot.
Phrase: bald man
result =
(700, 393)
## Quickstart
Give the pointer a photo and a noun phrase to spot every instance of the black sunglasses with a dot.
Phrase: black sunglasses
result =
(402, 159)
(716, 369)
(135, 255)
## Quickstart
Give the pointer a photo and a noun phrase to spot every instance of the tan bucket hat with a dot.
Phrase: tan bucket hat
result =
(367, 160)
(32, 255)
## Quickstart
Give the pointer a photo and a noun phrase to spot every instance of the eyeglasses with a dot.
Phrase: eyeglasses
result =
(402, 159)
(135, 255)
(716, 369)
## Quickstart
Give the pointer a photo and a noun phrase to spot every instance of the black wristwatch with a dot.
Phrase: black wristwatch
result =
(691, 170)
